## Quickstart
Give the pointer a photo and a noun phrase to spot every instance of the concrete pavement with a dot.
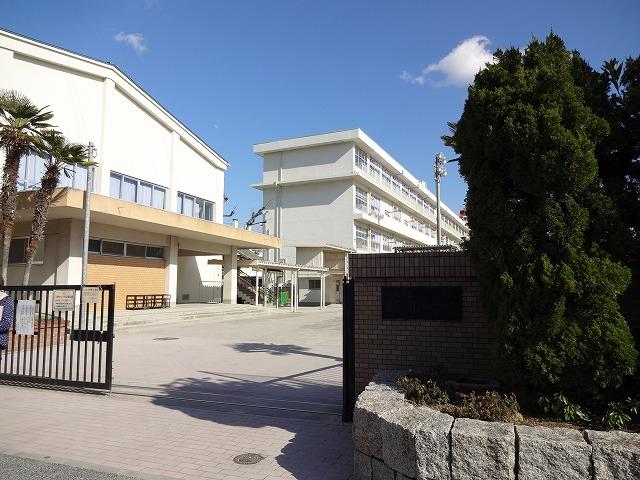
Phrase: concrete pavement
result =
(185, 427)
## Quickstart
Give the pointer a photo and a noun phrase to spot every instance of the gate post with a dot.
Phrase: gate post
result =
(110, 335)
(348, 350)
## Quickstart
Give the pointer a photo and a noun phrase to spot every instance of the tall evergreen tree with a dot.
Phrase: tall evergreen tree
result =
(527, 143)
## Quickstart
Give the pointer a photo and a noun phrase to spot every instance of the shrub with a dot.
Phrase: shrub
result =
(490, 406)
(423, 391)
(619, 414)
(560, 406)
(527, 144)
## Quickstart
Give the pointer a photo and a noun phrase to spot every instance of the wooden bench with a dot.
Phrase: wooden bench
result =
(143, 302)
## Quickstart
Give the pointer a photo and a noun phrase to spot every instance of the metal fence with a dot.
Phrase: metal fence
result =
(67, 348)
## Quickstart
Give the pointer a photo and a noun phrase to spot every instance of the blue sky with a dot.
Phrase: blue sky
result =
(241, 72)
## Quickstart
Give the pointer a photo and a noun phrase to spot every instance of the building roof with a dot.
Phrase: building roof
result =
(74, 60)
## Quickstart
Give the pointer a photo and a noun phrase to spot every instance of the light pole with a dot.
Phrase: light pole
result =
(439, 171)
(92, 152)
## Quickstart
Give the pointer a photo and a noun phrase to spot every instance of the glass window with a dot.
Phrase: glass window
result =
(361, 159)
(188, 206)
(114, 185)
(208, 211)
(135, 250)
(158, 197)
(361, 199)
(94, 246)
(374, 168)
(129, 190)
(396, 185)
(386, 178)
(180, 202)
(376, 240)
(397, 214)
(146, 192)
(17, 250)
(362, 237)
(375, 205)
(314, 284)
(387, 243)
(155, 252)
(112, 248)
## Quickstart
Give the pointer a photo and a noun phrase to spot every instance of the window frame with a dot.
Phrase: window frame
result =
(39, 257)
(125, 253)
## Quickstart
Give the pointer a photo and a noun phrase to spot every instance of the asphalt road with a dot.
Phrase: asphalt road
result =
(18, 468)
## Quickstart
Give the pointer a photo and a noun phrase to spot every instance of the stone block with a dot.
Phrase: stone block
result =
(552, 453)
(432, 446)
(399, 429)
(616, 455)
(367, 422)
(482, 450)
(361, 466)
(380, 471)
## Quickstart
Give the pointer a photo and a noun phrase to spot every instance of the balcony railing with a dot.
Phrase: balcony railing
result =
(412, 202)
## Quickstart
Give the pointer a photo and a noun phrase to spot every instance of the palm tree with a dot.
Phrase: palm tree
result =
(60, 154)
(21, 125)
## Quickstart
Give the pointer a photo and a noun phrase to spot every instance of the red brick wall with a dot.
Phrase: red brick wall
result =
(463, 348)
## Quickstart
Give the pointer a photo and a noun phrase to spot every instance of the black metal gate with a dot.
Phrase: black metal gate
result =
(348, 351)
(68, 348)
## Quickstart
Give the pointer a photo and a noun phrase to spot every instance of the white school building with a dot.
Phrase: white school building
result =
(157, 207)
(330, 194)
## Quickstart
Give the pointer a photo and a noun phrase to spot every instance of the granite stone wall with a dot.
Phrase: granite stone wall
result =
(396, 440)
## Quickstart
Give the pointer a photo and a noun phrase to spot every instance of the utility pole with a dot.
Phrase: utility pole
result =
(92, 152)
(439, 172)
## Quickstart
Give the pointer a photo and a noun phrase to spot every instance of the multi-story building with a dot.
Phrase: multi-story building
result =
(337, 192)
(158, 194)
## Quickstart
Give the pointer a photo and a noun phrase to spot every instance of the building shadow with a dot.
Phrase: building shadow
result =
(320, 446)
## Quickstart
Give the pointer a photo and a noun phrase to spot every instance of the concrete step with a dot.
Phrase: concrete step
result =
(126, 320)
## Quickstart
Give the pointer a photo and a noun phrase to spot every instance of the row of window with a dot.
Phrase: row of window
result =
(364, 200)
(375, 170)
(32, 168)
(124, 249)
(376, 242)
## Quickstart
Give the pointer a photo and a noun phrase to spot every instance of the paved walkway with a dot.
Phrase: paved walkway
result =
(197, 395)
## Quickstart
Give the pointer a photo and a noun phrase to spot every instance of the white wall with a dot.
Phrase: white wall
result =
(308, 163)
(194, 279)
(311, 214)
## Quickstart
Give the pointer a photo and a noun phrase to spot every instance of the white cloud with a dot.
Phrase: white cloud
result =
(458, 67)
(134, 40)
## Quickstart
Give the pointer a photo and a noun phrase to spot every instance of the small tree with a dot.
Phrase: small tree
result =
(526, 141)
(21, 124)
(61, 154)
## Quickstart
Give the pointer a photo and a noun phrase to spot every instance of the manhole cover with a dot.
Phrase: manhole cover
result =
(166, 338)
(248, 458)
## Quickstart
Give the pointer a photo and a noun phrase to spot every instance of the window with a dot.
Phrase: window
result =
(362, 238)
(361, 199)
(195, 207)
(94, 246)
(375, 206)
(397, 214)
(396, 185)
(314, 284)
(386, 178)
(374, 168)
(137, 191)
(18, 250)
(120, 249)
(387, 243)
(361, 159)
(376, 241)
(32, 167)
(134, 250)
(112, 248)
